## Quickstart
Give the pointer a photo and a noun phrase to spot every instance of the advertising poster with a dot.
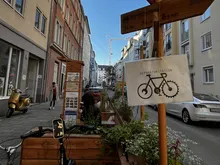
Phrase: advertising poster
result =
(71, 102)
(73, 76)
(72, 86)
(70, 118)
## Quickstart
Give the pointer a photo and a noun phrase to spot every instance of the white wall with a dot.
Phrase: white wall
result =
(86, 55)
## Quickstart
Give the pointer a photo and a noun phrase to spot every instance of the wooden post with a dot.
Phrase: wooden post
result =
(158, 44)
(142, 57)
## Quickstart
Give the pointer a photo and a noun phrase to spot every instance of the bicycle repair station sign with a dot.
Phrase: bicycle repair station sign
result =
(158, 80)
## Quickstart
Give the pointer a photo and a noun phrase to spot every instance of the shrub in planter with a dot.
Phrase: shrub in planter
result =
(146, 144)
(125, 112)
(104, 101)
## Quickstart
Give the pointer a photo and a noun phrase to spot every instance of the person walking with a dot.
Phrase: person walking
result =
(53, 95)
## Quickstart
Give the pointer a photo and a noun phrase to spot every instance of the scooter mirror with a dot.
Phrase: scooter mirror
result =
(58, 128)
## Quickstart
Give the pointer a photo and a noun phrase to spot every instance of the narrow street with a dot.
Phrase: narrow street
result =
(205, 134)
(18, 124)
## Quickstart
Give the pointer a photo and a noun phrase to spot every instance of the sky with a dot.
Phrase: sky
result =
(104, 22)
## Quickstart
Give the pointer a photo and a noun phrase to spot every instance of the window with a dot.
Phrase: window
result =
(8, 1)
(184, 30)
(206, 41)
(71, 21)
(37, 18)
(55, 72)
(61, 2)
(65, 43)
(9, 68)
(185, 50)
(19, 6)
(208, 74)
(72, 53)
(68, 48)
(206, 15)
(67, 13)
(168, 26)
(43, 25)
(168, 41)
(58, 33)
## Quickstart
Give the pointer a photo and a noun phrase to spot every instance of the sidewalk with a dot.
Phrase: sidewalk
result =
(18, 124)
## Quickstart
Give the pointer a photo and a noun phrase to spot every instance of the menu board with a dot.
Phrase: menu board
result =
(71, 101)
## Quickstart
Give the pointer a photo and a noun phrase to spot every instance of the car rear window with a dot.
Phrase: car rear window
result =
(205, 97)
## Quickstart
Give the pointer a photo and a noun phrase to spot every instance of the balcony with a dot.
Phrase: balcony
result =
(184, 36)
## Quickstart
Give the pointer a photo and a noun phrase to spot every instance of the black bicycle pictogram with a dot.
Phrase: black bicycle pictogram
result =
(168, 87)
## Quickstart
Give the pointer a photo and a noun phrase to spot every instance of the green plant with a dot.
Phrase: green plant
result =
(125, 111)
(120, 133)
(146, 144)
(104, 101)
(92, 116)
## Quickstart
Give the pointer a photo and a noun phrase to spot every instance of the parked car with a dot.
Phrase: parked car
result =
(204, 107)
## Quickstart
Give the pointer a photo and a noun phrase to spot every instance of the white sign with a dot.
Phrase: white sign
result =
(158, 80)
(23, 77)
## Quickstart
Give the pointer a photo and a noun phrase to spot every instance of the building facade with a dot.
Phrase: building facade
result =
(93, 69)
(87, 49)
(23, 47)
(101, 74)
(66, 40)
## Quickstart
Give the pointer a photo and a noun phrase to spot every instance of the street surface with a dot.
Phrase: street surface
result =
(18, 124)
(207, 135)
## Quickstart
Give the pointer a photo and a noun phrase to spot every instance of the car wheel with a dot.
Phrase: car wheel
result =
(186, 117)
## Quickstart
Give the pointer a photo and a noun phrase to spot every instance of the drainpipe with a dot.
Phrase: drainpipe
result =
(48, 52)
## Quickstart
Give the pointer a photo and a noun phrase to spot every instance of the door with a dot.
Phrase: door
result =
(33, 68)
(55, 73)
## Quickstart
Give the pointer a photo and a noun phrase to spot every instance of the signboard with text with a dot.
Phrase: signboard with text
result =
(156, 81)
(169, 11)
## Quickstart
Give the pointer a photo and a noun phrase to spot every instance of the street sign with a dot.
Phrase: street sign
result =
(174, 10)
(169, 11)
(151, 1)
(156, 81)
(138, 19)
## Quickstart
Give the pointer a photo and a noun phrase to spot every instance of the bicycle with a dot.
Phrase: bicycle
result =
(10, 151)
(39, 133)
(168, 87)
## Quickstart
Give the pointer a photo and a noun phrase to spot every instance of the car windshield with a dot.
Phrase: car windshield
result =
(205, 97)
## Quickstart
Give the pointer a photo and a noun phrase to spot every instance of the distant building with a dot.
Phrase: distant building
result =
(101, 73)
(66, 40)
(87, 48)
(93, 70)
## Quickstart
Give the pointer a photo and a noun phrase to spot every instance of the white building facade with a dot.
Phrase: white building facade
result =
(101, 74)
(86, 52)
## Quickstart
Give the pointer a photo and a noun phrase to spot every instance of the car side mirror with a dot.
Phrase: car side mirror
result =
(58, 128)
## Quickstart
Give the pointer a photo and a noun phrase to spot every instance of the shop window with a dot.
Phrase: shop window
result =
(9, 68)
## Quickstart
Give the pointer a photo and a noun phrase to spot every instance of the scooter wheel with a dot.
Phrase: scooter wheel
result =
(9, 112)
(25, 111)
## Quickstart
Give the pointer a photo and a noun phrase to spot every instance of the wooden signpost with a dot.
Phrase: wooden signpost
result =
(158, 13)
(72, 91)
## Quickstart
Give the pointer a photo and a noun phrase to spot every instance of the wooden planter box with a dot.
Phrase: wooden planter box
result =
(132, 159)
(106, 115)
(85, 149)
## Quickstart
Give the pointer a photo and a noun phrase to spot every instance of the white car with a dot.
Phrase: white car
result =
(204, 107)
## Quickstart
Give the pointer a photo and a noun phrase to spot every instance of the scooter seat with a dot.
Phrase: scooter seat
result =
(24, 96)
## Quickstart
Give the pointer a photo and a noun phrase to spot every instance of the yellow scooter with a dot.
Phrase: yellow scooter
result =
(18, 102)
